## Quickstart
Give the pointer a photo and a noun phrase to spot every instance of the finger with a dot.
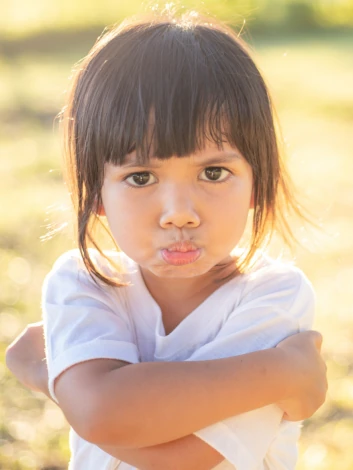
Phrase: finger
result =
(317, 338)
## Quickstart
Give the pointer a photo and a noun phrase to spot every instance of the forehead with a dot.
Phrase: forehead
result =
(209, 150)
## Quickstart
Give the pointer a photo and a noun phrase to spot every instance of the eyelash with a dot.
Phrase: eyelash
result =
(207, 168)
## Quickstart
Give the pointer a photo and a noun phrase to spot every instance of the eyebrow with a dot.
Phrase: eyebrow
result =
(228, 157)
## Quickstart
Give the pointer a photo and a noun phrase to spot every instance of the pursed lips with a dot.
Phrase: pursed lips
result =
(183, 246)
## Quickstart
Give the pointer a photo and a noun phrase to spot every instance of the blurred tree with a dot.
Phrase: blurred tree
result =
(22, 18)
(301, 16)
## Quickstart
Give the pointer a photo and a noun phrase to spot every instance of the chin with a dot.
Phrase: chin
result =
(182, 272)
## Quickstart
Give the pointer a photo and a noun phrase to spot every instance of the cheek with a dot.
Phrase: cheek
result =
(236, 203)
(232, 215)
(125, 219)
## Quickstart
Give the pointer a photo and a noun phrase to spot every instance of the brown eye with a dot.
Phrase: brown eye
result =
(215, 173)
(139, 179)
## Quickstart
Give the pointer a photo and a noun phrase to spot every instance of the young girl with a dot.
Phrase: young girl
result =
(162, 354)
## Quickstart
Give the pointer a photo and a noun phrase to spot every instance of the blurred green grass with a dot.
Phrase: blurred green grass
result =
(311, 81)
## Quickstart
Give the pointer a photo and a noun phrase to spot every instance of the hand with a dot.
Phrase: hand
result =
(25, 357)
(308, 371)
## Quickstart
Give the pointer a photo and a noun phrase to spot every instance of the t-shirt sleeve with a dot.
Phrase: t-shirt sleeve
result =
(275, 304)
(82, 320)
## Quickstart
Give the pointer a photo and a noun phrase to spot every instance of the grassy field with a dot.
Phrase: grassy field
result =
(311, 82)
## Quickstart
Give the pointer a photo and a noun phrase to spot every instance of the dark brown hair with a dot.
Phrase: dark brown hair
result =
(160, 86)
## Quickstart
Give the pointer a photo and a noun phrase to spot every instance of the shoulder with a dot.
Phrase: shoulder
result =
(83, 318)
(69, 274)
(282, 285)
(71, 261)
(278, 278)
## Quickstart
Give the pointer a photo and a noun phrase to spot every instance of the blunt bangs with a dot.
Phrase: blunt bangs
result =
(162, 89)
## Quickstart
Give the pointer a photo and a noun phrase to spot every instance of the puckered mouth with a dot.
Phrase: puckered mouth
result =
(183, 246)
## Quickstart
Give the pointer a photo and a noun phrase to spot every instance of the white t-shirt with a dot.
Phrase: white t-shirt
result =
(253, 311)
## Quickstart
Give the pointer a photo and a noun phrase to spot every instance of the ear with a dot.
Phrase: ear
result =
(99, 209)
(252, 199)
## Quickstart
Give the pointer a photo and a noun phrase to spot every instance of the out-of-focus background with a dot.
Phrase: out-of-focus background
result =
(305, 51)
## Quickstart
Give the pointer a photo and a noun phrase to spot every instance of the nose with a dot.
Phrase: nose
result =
(178, 208)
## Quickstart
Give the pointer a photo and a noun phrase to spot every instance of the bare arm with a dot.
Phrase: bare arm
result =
(188, 453)
(24, 358)
(301, 369)
(159, 402)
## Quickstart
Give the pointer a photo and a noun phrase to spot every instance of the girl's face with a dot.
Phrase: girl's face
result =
(203, 198)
